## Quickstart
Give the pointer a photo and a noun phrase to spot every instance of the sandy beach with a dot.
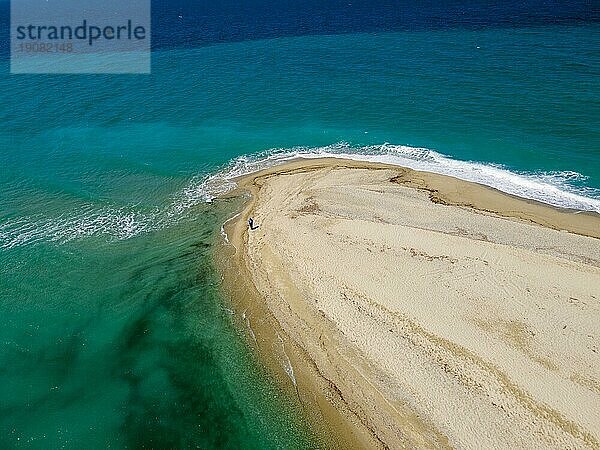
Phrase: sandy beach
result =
(422, 311)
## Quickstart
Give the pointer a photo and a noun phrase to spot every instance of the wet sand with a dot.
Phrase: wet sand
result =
(407, 309)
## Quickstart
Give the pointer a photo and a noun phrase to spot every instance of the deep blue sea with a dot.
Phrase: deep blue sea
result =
(114, 330)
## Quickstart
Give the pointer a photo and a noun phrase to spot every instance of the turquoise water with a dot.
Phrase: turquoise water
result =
(131, 345)
(114, 329)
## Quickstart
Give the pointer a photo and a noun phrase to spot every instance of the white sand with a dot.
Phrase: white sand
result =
(438, 325)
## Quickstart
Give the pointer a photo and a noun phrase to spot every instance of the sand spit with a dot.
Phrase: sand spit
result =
(424, 311)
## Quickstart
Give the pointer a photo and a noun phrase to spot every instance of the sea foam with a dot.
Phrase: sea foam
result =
(561, 189)
(554, 188)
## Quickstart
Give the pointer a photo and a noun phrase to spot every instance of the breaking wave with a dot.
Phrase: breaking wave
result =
(561, 189)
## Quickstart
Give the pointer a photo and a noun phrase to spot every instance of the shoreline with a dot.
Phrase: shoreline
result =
(473, 195)
(354, 412)
(334, 425)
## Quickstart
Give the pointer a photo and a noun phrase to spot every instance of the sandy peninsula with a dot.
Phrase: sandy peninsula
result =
(422, 311)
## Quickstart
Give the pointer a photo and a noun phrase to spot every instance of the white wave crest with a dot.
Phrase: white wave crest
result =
(561, 189)
(116, 223)
(554, 188)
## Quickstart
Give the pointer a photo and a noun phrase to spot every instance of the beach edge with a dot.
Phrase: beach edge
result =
(346, 423)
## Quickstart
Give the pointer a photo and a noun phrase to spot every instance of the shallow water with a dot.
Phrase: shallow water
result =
(132, 346)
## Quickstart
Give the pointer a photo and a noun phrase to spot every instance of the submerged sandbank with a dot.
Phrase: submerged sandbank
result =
(422, 310)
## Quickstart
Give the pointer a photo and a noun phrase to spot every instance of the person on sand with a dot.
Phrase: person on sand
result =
(251, 224)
